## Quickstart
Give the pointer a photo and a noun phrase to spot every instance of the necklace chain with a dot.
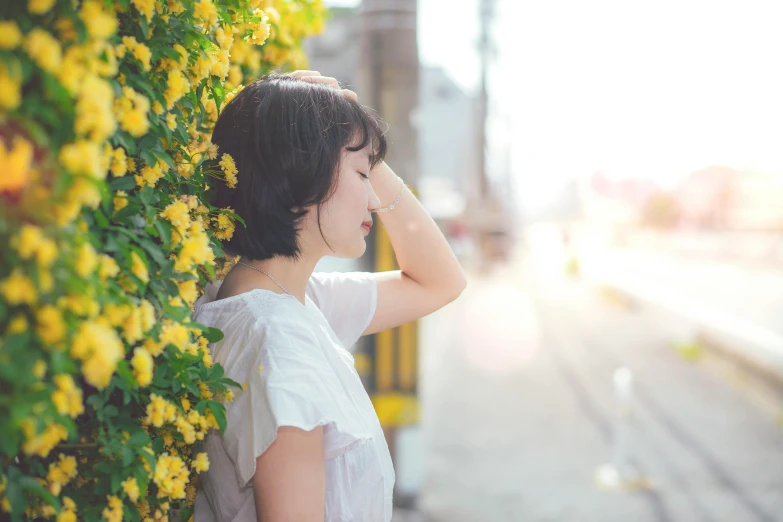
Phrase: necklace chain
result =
(266, 274)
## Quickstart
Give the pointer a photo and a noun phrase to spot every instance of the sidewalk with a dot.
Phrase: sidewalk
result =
(740, 307)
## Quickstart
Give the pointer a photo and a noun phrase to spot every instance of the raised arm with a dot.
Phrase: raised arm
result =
(430, 275)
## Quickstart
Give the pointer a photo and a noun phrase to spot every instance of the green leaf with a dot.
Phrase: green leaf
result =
(164, 230)
(139, 439)
(219, 411)
(154, 250)
(31, 485)
(123, 183)
(124, 371)
(148, 157)
(212, 335)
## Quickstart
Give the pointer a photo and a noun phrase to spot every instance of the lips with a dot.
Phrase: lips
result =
(367, 225)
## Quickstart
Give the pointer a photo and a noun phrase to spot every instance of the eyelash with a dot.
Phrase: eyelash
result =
(365, 176)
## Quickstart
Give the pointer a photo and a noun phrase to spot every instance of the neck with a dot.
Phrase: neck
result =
(290, 273)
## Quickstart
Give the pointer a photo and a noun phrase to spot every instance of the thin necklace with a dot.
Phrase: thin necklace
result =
(269, 276)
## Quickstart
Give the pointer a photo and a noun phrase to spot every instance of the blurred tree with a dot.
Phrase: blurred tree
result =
(661, 210)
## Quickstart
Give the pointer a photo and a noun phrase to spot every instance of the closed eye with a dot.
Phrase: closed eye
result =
(365, 176)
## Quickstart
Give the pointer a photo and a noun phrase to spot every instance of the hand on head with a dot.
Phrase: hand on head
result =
(315, 77)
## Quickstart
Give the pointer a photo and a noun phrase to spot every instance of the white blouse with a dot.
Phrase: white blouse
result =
(307, 379)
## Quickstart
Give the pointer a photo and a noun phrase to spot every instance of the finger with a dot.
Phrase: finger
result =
(349, 94)
(305, 74)
(326, 80)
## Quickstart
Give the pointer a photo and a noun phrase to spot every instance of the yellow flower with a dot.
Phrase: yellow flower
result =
(46, 253)
(95, 109)
(139, 268)
(143, 54)
(18, 289)
(260, 33)
(68, 397)
(147, 315)
(145, 7)
(60, 473)
(39, 6)
(174, 333)
(177, 214)
(160, 411)
(86, 260)
(100, 348)
(157, 108)
(113, 513)
(16, 163)
(41, 444)
(83, 157)
(119, 162)
(206, 12)
(131, 488)
(150, 175)
(51, 325)
(68, 513)
(171, 121)
(44, 49)
(10, 35)
(18, 324)
(39, 369)
(188, 291)
(131, 111)
(100, 24)
(171, 476)
(201, 462)
(10, 88)
(143, 365)
(177, 86)
(120, 200)
(28, 239)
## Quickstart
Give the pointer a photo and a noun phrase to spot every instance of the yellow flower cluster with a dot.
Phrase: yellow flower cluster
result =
(68, 397)
(201, 462)
(131, 110)
(68, 513)
(229, 169)
(113, 513)
(99, 348)
(171, 476)
(60, 473)
(131, 488)
(160, 411)
(42, 443)
(224, 227)
(113, 98)
(143, 365)
(16, 161)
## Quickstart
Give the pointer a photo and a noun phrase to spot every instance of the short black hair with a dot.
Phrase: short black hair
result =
(286, 136)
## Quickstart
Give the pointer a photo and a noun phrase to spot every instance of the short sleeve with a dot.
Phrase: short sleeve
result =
(347, 300)
(290, 383)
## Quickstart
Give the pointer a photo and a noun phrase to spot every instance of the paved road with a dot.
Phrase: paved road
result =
(518, 411)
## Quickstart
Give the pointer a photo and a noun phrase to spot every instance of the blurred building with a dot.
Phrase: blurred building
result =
(726, 198)
(448, 156)
(335, 52)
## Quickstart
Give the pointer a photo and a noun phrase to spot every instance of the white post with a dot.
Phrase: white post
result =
(620, 474)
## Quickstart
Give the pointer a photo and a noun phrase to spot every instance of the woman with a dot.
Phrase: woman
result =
(302, 441)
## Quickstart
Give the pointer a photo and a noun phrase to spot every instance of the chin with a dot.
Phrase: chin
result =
(352, 252)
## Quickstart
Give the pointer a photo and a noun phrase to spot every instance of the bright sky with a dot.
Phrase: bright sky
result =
(653, 89)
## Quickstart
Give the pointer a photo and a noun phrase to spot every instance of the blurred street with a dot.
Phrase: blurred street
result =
(518, 410)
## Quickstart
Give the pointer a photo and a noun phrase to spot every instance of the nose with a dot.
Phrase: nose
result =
(373, 203)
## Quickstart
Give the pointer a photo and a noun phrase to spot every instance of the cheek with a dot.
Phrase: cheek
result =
(348, 205)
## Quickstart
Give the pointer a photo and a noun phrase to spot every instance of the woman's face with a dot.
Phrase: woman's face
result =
(351, 205)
